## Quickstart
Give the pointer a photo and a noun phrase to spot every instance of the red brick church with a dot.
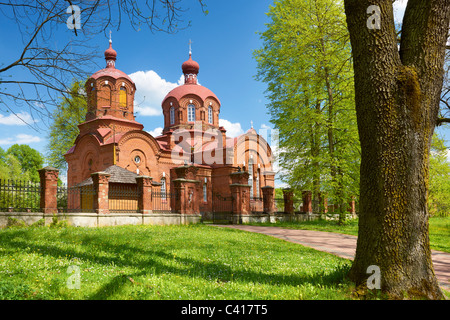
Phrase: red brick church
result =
(111, 140)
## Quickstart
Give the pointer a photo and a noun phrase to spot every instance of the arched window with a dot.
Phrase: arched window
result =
(250, 176)
(105, 96)
(257, 183)
(172, 115)
(93, 97)
(163, 188)
(123, 97)
(205, 193)
(191, 113)
(210, 114)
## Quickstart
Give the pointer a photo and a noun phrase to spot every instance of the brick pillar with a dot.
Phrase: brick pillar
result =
(101, 189)
(267, 192)
(352, 208)
(288, 196)
(240, 190)
(187, 190)
(144, 184)
(307, 201)
(49, 188)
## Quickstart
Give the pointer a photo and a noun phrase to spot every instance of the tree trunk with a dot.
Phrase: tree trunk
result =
(397, 101)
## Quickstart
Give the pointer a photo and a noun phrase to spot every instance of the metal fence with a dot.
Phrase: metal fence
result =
(123, 198)
(75, 199)
(279, 204)
(256, 204)
(163, 201)
(20, 196)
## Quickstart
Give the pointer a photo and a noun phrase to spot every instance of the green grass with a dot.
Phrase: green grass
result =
(164, 262)
(439, 228)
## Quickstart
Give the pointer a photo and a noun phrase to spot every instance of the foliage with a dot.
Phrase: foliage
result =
(70, 113)
(306, 62)
(30, 160)
(439, 185)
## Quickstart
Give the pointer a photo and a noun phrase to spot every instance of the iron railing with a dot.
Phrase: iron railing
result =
(123, 198)
(20, 196)
(163, 201)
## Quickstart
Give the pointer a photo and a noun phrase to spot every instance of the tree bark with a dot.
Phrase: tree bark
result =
(397, 101)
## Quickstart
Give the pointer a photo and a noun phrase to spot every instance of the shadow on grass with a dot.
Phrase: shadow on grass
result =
(156, 261)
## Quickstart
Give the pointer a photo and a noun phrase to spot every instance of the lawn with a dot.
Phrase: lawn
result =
(439, 229)
(163, 262)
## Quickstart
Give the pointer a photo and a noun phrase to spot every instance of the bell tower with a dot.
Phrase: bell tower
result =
(110, 91)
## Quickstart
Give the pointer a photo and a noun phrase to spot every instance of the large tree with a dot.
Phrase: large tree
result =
(397, 92)
(70, 113)
(306, 62)
(30, 160)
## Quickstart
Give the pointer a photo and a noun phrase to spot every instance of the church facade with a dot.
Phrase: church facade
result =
(111, 136)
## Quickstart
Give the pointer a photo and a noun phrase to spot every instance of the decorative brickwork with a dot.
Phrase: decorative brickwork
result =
(101, 190)
(49, 184)
(145, 194)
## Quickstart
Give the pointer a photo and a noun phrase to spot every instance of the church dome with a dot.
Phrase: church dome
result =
(190, 66)
(202, 92)
(190, 70)
(110, 53)
(110, 69)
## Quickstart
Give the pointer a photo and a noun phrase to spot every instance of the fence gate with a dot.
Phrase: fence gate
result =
(222, 209)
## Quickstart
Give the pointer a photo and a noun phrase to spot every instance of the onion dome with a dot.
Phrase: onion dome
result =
(190, 66)
(110, 56)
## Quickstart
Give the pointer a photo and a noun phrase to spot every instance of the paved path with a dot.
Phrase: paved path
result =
(342, 245)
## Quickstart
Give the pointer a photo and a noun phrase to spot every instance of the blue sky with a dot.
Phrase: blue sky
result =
(222, 43)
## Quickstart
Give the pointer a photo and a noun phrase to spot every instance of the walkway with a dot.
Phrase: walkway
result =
(342, 245)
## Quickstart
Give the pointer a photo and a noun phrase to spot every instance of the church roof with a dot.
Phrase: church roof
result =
(190, 86)
(118, 175)
(185, 89)
(110, 69)
(111, 72)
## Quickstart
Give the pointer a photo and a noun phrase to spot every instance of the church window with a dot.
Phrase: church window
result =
(137, 159)
(163, 188)
(257, 183)
(105, 96)
(205, 193)
(172, 115)
(210, 114)
(123, 97)
(250, 176)
(191, 113)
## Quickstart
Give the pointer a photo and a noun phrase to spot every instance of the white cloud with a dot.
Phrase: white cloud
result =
(150, 92)
(20, 139)
(233, 129)
(18, 119)
(156, 132)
